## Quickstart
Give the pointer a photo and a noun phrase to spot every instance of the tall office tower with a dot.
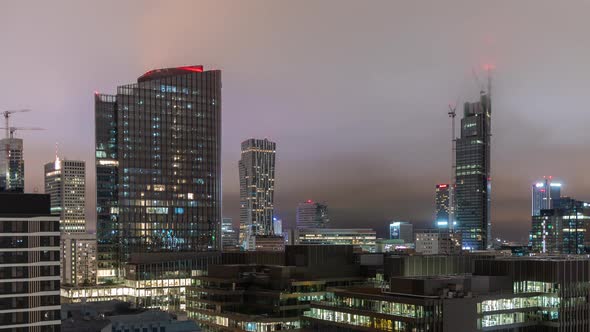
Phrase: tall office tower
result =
(65, 182)
(543, 194)
(441, 200)
(29, 264)
(229, 236)
(158, 166)
(473, 181)
(257, 186)
(401, 230)
(12, 165)
(562, 229)
(311, 214)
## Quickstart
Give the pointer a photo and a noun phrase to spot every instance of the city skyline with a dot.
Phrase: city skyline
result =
(321, 158)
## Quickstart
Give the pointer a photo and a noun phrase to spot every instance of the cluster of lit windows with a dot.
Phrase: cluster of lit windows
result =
(262, 326)
(382, 307)
(519, 303)
(379, 324)
(535, 287)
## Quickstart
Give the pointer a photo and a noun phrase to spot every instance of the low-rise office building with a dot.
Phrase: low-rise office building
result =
(503, 294)
(258, 297)
(269, 243)
(156, 281)
(438, 241)
(364, 239)
(119, 316)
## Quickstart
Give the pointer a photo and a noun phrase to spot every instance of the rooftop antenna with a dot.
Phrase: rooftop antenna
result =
(7, 115)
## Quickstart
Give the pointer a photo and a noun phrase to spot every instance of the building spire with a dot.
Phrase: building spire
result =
(57, 161)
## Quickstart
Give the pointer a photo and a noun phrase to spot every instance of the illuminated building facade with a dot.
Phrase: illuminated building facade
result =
(269, 243)
(259, 297)
(503, 294)
(12, 165)
(78, 259)
(65, 182)
(229, 235)
(156, 280)
(563, 229)
(438, 242)
(543, 195)
(312, 214)
(473, 177)
(29, 264)
(257, 186)
(158, 144)
(363, 239)
(401, 230)
(442, 205)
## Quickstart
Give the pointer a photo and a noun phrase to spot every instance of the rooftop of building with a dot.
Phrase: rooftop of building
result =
(24, 205)
(173, 71)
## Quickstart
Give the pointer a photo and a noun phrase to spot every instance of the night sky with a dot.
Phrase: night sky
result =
(355, 93)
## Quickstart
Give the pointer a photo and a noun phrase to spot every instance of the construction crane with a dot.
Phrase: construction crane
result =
(451, 219)
(7, 115)
(12, 130)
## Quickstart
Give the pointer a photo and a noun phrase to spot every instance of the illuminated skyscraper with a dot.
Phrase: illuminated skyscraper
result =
(473, 181)
(543, 194)
(401, 230)
(257, 185)
(12, 165)
(158, 166)
(312, 214)
(441, 218)
(65, 182)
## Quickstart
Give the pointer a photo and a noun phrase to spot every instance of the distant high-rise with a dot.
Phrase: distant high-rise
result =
(29, 264)
(78, 259)
(12, 165)
(401, 230)
(277, 225)
(65, 182)
(473, 181)
(158, 166)
(543, 194)
(562, 229)
(441, 218)
(312, 214)
(257, 185)
(229, 235)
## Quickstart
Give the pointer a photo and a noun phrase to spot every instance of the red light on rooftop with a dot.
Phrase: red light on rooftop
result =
(309, 201)
(442, 185)
(196, 69)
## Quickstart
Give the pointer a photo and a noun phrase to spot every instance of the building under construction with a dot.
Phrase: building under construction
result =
(472, 173)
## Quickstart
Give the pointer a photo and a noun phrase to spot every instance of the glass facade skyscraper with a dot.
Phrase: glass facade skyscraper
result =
(158, 144)
(473, 181)
(312, 214)
(257, 186)
(441, 200)
(543, 195)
